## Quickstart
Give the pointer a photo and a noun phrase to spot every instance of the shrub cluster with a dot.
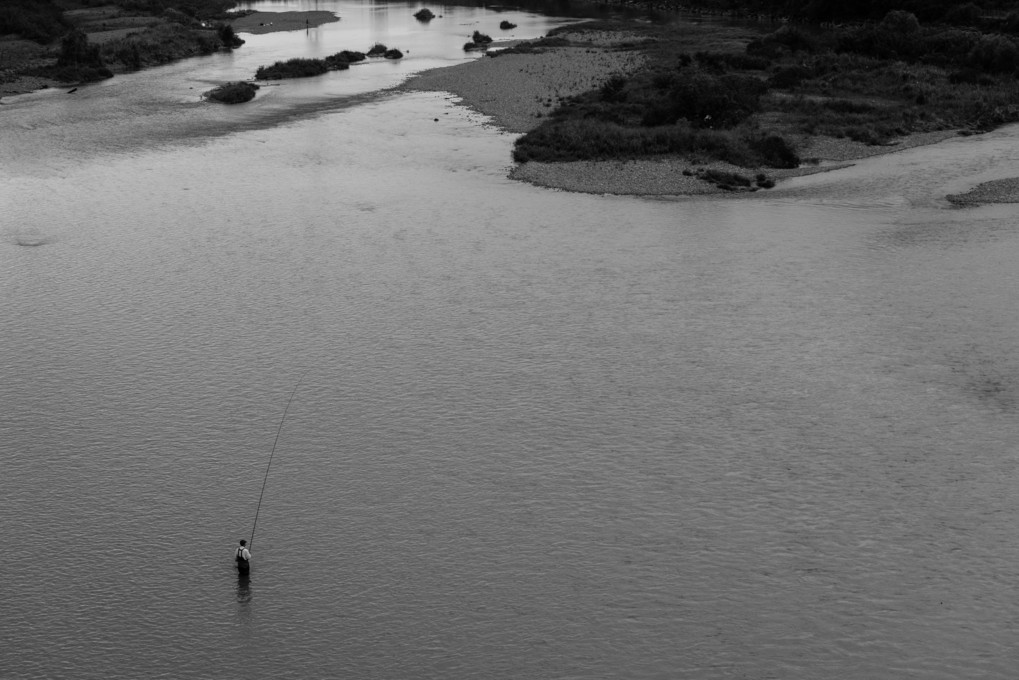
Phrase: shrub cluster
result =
(478, 41)
(702, 99)
(78, 61)
(591, 139)
(305, 68)
(292, 68)
(160, 44)
(234, 93)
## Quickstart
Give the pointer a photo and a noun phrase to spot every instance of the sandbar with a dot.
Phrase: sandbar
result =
(271, 22)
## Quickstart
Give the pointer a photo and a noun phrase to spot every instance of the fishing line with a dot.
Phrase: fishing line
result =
(278, 430)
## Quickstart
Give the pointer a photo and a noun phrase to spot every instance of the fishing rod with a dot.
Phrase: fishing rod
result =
(266, 479)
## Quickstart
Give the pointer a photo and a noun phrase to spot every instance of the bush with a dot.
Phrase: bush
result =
(393, 54)
(709, 101)
(75, 50)
(292, 68)
(227, 35)
(424, 14)
(901, 22)
(342, 60)
(773, 151)
(612, 90)
(159, 45)
(506, 25)
(377, 50)
(233, 93)
(995, 54)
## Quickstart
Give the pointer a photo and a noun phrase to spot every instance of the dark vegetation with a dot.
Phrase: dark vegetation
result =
(42, 22)
(478, 41)
(750, 105)
(985, 15)
(79, 61)
(233, 93)
(305, 68)
(380, 50)
(507, 25)
(424, 14)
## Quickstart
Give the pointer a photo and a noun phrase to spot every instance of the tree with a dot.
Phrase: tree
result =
(75, 51)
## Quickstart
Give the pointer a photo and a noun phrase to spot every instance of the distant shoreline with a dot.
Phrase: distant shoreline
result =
(23, 52)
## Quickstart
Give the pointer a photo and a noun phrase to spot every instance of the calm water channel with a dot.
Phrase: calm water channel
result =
(540, 435)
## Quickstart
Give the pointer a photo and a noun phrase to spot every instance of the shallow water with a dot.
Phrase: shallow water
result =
(539, 434)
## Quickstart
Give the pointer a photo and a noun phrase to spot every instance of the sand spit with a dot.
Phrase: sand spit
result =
(995, 191)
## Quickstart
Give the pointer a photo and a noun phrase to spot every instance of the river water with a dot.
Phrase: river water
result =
(539, 434)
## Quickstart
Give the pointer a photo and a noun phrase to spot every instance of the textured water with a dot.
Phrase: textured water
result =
(540, 434)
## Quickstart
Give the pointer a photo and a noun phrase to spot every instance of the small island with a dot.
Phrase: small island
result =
(306, 68)
(380, 50)
(233, 93)
(479, 41)
(636, 108)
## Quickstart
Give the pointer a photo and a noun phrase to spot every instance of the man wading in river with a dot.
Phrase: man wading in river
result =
(243, 558)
